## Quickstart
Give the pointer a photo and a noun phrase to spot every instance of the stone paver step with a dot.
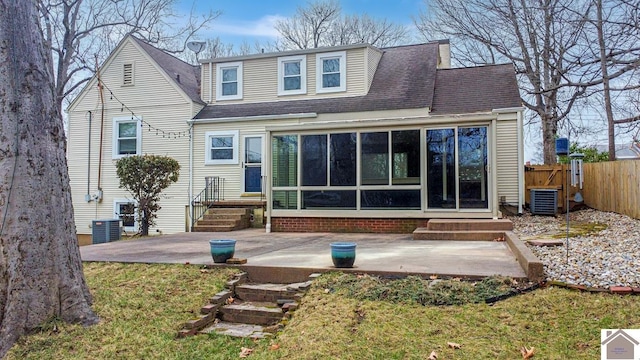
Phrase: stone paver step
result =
(269, 292)
(252, 313)
(470, 224)
(480, 235)
(237, 330)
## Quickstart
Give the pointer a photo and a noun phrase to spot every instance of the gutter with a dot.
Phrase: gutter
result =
(252, 118)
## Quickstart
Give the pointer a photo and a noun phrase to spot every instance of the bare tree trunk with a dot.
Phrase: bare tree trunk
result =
(40, 268)
(549, 132)
(605, 82)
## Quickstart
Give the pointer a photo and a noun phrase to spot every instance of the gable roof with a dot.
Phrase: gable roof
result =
(474, 89)
(404, 79)
(184, 75)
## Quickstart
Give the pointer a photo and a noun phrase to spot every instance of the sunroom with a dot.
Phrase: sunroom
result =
(417, 171)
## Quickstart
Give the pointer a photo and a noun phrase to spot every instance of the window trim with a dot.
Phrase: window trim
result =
(219, 68)
(115, 145)
(116, 215)
(133, 68)
(303, 75)
(235, 148)
(342, 55)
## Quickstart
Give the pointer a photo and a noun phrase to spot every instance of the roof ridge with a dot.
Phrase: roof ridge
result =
(164, 52)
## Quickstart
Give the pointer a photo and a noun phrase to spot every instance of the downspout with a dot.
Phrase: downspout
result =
(268, 179)
(99, 198)
(494, 167)
(210, 82)
(87, 196)
(190, 176)
(520, 162)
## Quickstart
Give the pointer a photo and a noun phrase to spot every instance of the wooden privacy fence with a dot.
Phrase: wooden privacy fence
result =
(549, 177)
(613, 186)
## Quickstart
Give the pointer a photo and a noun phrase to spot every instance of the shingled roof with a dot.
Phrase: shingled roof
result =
(475, 89)
(404, 79)
(185, 75)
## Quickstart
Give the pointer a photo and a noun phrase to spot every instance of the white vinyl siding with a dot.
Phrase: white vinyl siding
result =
(260, 79)
(507, 166)
(373, 58)
(166, 109)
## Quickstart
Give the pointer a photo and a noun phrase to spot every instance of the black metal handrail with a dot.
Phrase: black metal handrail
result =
(214, 186)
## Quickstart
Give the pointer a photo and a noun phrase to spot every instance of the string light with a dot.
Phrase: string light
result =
(123, 106)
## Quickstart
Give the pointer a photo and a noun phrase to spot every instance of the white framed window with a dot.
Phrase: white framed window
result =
(331, 72)
(292, 75)
(229, 81)
(125, 210)
(127, 137)
(221, 147)
(127, 74)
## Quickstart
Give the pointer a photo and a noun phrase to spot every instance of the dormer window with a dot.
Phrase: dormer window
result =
(292, 75)
(331, 72)
(229, 81)
(127, 74)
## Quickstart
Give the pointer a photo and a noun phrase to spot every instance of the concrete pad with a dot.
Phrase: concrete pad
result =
(390, 254)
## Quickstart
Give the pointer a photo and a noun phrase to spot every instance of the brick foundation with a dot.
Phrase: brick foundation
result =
(346, 225)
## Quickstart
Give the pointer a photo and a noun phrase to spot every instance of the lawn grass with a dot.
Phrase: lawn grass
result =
(143, 306)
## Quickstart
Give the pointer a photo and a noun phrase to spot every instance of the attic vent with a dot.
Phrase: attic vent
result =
(544, 201)
(127, 74)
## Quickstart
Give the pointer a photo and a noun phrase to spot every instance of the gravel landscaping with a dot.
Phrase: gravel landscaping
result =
(597, 258)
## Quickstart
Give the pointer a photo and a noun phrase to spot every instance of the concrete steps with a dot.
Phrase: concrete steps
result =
(223, 219)
(247, 310)
(463, 229)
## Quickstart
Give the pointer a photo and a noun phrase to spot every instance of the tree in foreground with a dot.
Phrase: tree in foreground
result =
(41, 274)
(145, 177)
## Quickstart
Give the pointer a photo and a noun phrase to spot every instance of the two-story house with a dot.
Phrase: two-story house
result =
(348, 138)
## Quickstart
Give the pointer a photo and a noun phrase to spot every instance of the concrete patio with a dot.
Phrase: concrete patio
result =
(283, 257)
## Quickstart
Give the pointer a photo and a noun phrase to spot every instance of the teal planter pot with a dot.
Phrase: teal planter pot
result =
(343, 254)
(222, 250)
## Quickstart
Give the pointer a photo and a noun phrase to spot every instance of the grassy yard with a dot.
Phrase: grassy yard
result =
(142, 308)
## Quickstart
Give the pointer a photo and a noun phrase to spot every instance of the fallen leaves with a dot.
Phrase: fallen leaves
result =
(433, 356)
(454, 345)
(244, 352)
(274, 347)
(230, 300)
(500, 239)
(527, 353)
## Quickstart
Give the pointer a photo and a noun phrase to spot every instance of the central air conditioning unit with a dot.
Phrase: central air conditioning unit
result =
(544, 201)
(105, 230)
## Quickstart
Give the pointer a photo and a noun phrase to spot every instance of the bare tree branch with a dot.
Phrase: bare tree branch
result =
(76, 31)
(320, 23)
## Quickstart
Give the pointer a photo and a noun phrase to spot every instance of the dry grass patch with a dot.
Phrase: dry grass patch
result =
(143, 306)
(141, 309)
(559, 323)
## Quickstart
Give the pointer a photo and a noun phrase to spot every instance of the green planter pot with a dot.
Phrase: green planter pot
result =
(343, 254)
(222, 250)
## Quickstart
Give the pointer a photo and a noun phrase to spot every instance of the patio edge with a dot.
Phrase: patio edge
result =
(531, 265)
